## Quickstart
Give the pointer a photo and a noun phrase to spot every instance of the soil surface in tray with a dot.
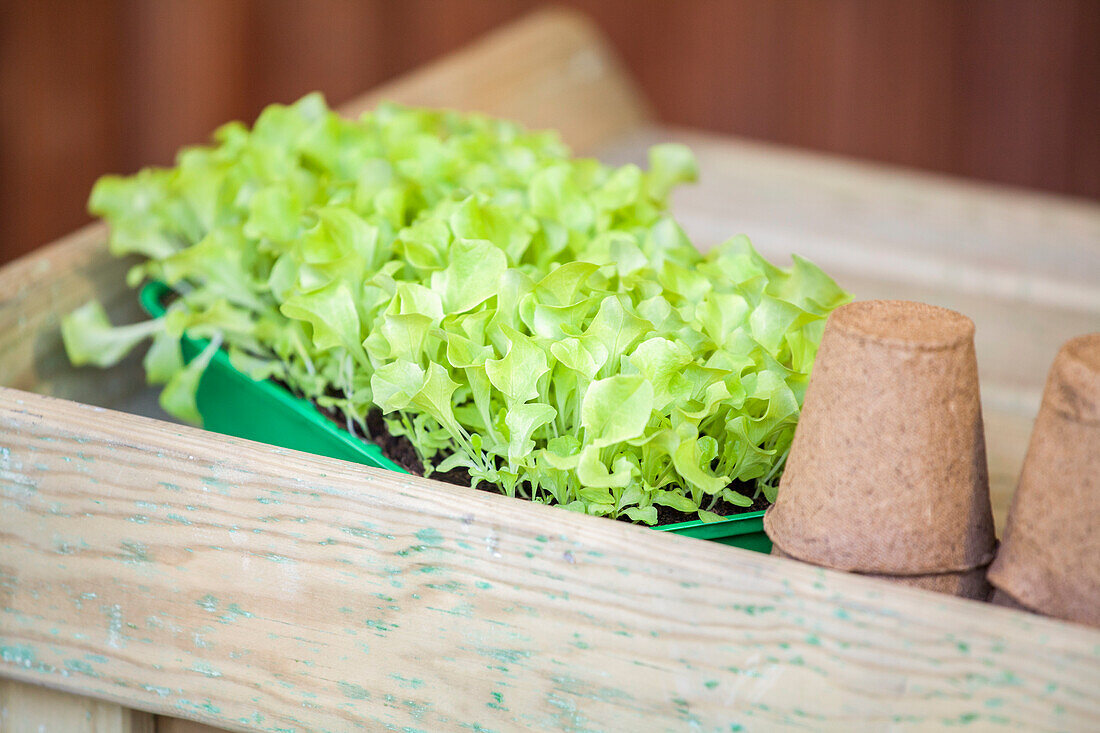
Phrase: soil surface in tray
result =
(400, 450)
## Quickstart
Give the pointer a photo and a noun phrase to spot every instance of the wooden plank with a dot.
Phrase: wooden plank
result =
(256, 588)
(167, 724)
(561, 76)
(28, 708)
(35, 291)
(549, 70)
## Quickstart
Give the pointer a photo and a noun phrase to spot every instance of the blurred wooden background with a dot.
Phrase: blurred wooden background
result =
(1002, 90)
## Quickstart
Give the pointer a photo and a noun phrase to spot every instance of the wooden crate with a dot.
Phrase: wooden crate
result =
(151, 572)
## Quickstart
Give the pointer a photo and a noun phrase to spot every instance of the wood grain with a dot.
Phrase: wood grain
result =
(37, 290)
(256, 588)
(530, 71)
(28, 708)
(167, 724)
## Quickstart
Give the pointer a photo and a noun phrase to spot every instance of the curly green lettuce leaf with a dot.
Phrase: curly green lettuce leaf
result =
(537, 320)
(89, 337)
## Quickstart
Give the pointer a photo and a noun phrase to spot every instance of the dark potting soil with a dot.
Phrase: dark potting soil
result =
(668, 515)
(399, 449)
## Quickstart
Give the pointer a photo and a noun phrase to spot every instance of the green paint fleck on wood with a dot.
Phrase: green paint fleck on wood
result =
(205, 670)
(506, 656)
(205, 706)
(82, 667)
(217, 484)
(411, 683)
(114, 625)
(21, 655)
(134, 553)
(429, 536)
(234, 612)
(365, 532)
(354, 692)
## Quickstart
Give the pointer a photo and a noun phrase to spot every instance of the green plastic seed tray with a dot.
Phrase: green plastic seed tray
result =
(233, 403)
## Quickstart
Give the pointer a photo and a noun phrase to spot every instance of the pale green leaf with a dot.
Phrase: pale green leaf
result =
(179, 395)
(395, 384)
(517, 373)
(616, 409)
(89, 337)
(472, 274)
(523, 421)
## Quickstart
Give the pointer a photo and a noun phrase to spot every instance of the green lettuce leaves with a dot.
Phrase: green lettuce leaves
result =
(539, 320)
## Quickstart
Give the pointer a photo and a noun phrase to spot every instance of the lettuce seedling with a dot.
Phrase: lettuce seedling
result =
(538, 320)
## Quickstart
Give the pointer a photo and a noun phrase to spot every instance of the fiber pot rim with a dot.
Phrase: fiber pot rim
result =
(923, 327)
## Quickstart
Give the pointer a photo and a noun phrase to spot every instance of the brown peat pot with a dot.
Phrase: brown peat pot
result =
(1050, 559)
(887, 474)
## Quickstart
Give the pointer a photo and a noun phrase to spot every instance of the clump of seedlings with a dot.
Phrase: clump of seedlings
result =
(536, 320)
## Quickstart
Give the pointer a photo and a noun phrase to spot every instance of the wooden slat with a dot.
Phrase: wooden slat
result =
(256, 588)
(549, 70)
(28, 708)
(37, 290)
(166, 724)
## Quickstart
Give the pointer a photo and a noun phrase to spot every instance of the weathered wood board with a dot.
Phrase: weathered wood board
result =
(261, 589)
(26, 708)
(550, 70)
